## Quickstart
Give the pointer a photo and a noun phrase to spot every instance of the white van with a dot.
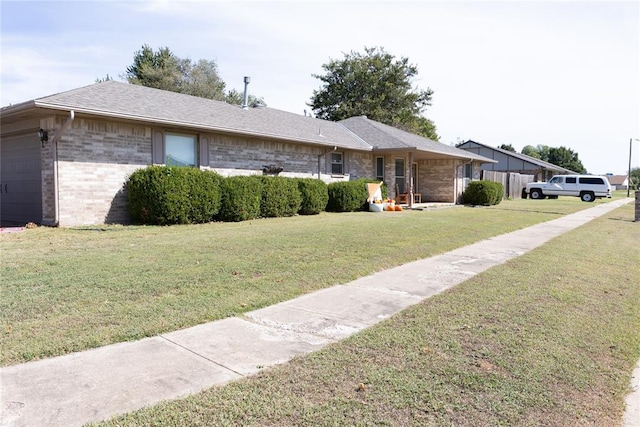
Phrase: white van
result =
(587, 187)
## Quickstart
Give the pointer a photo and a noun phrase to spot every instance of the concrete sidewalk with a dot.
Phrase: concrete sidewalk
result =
(97, 384)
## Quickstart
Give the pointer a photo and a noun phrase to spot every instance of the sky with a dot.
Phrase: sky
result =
(557, 73)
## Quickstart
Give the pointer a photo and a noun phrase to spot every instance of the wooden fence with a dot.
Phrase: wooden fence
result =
(513, 182)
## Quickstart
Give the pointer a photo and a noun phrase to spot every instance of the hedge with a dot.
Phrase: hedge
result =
(241, 197)
(485, 193)
(350, 196)
(314, 196)
(280, 197)
(161, 195)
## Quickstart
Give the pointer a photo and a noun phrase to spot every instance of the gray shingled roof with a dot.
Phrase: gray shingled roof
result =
(117, 99)
(524, 157)
(140, 103)
(384, 137)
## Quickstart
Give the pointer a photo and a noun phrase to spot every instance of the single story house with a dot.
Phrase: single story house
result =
(66, 157)
(619, 182)
(508, 161)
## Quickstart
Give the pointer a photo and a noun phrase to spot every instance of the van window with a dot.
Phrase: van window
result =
(556, 180)
(591, 180)
(571, 180)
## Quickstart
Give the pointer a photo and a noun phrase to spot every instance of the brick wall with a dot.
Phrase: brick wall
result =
(437, 180)
(94, 160)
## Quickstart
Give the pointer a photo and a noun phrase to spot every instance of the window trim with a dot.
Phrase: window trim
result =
(334, 163)
(380, 176)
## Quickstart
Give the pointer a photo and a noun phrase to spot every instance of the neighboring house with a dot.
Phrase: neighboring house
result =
(619, 182)
(98, 135)
(508, 161)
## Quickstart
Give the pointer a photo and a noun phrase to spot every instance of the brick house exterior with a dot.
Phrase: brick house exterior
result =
(99, 134)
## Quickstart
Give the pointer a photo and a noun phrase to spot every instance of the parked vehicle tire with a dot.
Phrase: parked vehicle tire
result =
(524, 193)
(536, 194)
(587, 196)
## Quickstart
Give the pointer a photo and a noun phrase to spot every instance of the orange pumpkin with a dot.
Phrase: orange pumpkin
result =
(398, 208)
(389, 208)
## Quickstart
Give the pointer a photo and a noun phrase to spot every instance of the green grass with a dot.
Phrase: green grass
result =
(549, 338)
(66, 290)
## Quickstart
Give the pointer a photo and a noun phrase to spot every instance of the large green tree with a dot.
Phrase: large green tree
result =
(559, 156)
(162, 69)
(377, 85)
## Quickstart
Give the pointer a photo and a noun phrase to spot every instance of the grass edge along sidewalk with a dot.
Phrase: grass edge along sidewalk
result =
(67, 290)
(549, 338)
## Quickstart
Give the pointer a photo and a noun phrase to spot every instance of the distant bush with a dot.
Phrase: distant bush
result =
(241, 197)
(484, 193)
(348, 196)
(314, 196)
(162, 195)
(280, 197)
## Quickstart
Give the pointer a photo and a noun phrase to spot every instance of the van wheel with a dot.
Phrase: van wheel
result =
(536, 194)
(587, 196)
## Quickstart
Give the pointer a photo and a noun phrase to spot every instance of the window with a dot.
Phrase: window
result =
(556, 180)
(571, 180)
(400, 181)
(180, 150)
(590, 180)
(467, 170)
(336, 164)
(380, 168)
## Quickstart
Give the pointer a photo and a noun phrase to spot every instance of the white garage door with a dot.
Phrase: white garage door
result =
(20, 180)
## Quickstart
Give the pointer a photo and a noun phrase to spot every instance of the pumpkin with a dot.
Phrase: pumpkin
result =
(389, 208)
(398, 208)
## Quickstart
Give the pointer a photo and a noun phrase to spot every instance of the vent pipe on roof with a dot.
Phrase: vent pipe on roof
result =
(245, 98)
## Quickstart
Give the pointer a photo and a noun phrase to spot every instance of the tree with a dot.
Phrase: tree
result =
(530, 151)
(507, 147)
(164, 70)
(560, 156)
(566, 158)
(104, 79)
(377, 85)
(160, 70)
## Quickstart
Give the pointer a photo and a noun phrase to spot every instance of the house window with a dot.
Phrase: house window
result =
(336, 164)
(380, 168)
(180, 150)
(467, 170)
(400, 181)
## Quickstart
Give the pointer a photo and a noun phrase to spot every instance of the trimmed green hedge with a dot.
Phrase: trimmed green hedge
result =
(485, 193)
(350, 196)
(314, 196)
(161, 195)
(241, 198)
(280, 197)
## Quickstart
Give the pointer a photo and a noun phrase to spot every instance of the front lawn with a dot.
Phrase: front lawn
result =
(71, 289)
(549, 338)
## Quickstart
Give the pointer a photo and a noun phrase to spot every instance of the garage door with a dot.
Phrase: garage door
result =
(20, 180)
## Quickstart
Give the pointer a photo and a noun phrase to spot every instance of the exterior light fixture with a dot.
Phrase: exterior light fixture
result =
(43, 135)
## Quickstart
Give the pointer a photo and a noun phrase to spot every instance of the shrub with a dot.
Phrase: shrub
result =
(314, 196)
(280, 197)
(483, 193)
(240, 198)
(347, 196)
(204, 194)
(163, 195)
